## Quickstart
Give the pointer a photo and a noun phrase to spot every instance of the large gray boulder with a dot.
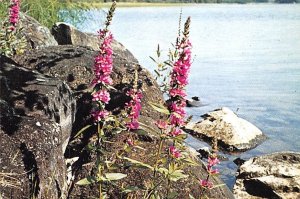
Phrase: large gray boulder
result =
(232, 132)
(65, 34)
(37, 35)
(274, 176)
(73, 64)
(37, 113)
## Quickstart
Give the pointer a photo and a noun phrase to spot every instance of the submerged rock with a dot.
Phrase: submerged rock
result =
(233, 133)
(194, 102)
(275, 176)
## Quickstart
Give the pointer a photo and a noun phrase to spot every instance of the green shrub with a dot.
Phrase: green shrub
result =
(48, 12)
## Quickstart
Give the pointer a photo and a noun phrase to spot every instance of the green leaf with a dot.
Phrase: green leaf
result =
(130, 189)
(189, 119)
(163, 171)
(117, 130)
(138, 163)
(82, 130)
(157, 73)
(158, 51)
(114, 176)
(219, 185)
(110, 119)
(127, 149)
(190, 162)
(141, 132)
(172, 195)
(177, 175)
(86, 181)
(111, 88)
(181, 137)
(148, 129)
(168, 63)
(191, 197)
(91, 147)
(139, 147)
(160, 108)
(153, 59)
(101, 132)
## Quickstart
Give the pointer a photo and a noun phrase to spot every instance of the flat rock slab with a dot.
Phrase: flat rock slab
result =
(233, 133)
(270, 176)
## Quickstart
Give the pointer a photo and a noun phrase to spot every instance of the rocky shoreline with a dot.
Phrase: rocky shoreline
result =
(45, 100)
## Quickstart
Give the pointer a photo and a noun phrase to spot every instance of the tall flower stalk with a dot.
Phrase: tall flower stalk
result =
(14, 13)
(170, 129)
(179, 79)
(103, 65)
(212, 161)
(134, 105)
(177, 94)
(11, 40)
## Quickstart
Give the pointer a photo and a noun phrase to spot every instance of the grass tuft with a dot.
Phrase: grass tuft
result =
(9, 180)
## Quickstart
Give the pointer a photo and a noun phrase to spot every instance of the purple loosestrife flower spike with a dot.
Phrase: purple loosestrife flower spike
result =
(179, 78)
(14, 13)
(103, 65)
(134, 106)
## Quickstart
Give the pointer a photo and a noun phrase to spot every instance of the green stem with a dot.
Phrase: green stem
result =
(100, 184)
(157, 156)
(98, 158)
(203, 189)
(168, 188)
(151, 191)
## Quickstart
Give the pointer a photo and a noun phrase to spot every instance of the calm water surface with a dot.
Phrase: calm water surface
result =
(247, 58)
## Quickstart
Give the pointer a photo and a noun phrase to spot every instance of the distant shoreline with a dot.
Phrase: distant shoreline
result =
(158, 4)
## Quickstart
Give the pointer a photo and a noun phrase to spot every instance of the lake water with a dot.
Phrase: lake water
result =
(247, 58)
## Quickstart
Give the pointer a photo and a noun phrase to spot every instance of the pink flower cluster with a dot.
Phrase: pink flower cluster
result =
(102, 70)
(177, 112)
(161, 124)
(102, 96)
(100, 115)
(206, 184)
(130, 142)
(103, 62)
(178, 83)
(175, 132)
(14, 13)
(174, 152)
(134, 106)
(212, 161)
